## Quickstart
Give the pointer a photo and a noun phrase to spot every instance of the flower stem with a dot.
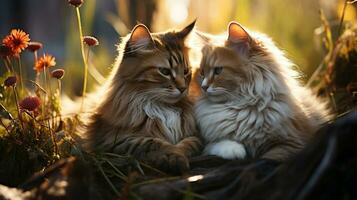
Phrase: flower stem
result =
(46, 86)
(87, 56)
(47, 72)
(18, 108)
(10, 63)
(342, 17)
(49, 119)
(83, 57)
(7, 66)
(53, 137)
(47, 96)
(37, 73)
(37, 80)
(59, 94)
(20, 70)
(35, 54)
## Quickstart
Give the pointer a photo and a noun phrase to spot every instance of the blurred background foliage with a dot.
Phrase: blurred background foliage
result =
(294, 25)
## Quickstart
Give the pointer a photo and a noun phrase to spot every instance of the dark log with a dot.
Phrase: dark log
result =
(325, 169)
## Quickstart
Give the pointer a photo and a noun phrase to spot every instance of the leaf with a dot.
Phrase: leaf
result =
(4, 113)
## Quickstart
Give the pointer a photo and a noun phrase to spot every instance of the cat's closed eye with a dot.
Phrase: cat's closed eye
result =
(218, 70)
(164, 71)
(186, 71)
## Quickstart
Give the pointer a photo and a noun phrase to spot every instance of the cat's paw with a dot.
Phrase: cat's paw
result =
(190, 146)
(169, 161)
(227, 149)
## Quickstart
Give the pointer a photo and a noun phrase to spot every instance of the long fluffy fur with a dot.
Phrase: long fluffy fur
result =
(270, 112)
(131, 114)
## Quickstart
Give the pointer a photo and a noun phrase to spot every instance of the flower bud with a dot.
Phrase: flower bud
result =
(90, 41)
(10, 81)
(75, 3)
(34, 46)
(30, 103)
(57, 73)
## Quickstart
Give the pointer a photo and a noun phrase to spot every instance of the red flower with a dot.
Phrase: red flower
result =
(10, 81)
(34, 46)
(45, 61)
(17, 41)
(30, 103)
(57, 73)
(75, 3)
(90, 41)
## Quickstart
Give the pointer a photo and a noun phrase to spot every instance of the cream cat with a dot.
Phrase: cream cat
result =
(252, 106)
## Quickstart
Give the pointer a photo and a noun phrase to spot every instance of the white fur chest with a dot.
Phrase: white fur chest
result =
(218, 121)
(215, 121)
(169, 117)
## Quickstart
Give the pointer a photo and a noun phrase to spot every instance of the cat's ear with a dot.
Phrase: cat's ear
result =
(238, 38)
(140, 35)
(237, 34)
(187, 30)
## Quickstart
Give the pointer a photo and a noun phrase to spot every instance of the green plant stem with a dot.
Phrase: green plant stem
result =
(18, 108)
(10, 63)
(83, 57)
(49, 95)
(342, 17)
(37, 80)
(87, 56)
(33, 116)
(46, 86)
(35, 55)
(53, 137)
(44, 105)
(7, 66)
(49, 120)
(20, 70)
(45, 113)
(59, 97)
(37, 73)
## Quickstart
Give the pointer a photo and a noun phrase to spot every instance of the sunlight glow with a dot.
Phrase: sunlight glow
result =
(178, 10)
(194, 178)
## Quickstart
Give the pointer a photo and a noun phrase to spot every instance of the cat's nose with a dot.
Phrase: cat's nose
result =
(205, 84)
(204, 87)
(182, 89)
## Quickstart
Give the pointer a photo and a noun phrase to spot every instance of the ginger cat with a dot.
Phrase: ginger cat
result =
(252, 106)
(144, 110)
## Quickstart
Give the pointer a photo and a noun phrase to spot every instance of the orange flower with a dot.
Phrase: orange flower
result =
(45, 61)
(17, 41)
